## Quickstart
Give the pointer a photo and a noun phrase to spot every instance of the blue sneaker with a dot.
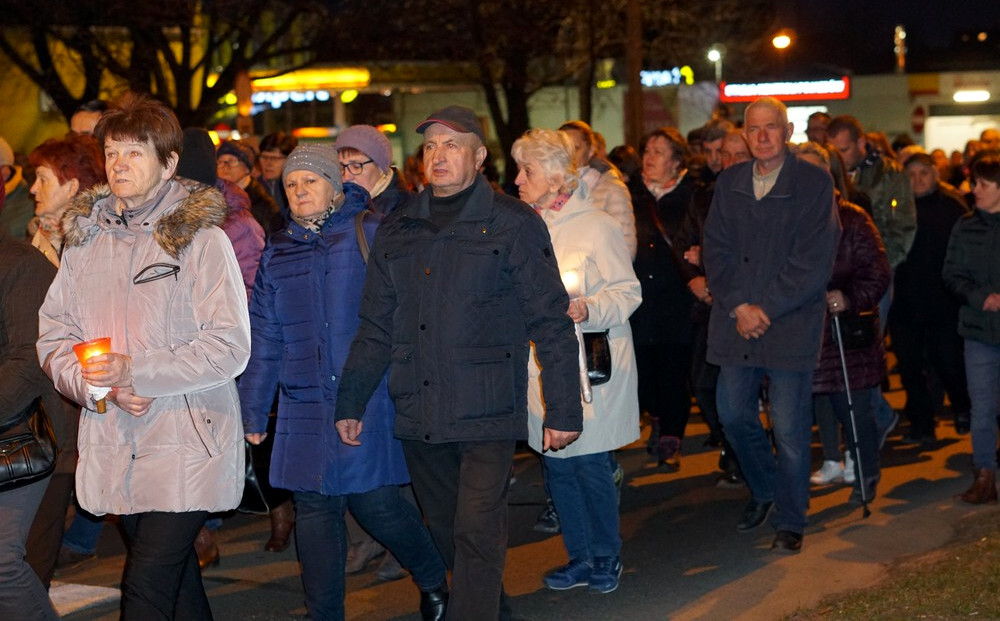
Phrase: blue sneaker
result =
(577, 573)
(607, 571)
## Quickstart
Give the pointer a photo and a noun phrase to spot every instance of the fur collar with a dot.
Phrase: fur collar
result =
(203, 207)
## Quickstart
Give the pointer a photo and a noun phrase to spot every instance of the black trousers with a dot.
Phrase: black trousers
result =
(664, 370)
(45, 536)
(462, 490)
(162, 579)
(918, 348)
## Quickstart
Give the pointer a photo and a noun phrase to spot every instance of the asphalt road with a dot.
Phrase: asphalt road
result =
(683, 557)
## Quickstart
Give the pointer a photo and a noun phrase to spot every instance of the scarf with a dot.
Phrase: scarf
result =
(315, 223)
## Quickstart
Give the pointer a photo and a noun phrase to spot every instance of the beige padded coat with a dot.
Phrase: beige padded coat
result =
(163, 282)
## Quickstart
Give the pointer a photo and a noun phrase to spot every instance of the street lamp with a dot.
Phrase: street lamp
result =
(783, 38)
(715, 54)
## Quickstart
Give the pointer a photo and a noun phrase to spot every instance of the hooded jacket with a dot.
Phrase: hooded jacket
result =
(303, 315)
(162, 281)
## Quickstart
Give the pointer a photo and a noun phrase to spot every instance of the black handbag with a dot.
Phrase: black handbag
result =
(598, 350)
(258, 495)
(254, 501)
(859, 330)
(27, 449)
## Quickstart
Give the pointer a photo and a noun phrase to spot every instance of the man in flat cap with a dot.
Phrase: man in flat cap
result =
(460, 280)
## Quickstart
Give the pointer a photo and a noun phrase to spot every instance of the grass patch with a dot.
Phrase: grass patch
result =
(959, 581)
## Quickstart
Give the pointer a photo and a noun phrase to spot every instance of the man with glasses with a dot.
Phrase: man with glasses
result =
(235, 160)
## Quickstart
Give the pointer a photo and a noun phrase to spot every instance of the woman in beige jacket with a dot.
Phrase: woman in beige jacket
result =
(146, 264)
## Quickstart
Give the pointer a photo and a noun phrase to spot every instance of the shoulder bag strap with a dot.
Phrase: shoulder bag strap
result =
(359, 230)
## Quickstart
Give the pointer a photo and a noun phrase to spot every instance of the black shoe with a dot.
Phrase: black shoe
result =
(962, 423)
(729, 479)
(754, 515)
(433, 604)
(787, 542)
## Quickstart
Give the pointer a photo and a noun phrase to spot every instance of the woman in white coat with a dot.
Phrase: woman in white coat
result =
(591, 251)
(145, 263)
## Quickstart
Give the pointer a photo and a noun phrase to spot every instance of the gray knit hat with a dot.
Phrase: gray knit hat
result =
(318, 158)
(368, 140)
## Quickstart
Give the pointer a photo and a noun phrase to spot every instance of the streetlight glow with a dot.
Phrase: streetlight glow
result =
(714, 55)
(781, 41)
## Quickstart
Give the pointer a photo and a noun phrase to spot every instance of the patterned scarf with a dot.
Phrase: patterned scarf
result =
(315, 223)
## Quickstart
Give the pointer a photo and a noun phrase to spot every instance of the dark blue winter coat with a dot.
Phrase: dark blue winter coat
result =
(303, 315)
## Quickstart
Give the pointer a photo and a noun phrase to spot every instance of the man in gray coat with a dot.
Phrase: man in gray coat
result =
(770, 241)
(460, 279)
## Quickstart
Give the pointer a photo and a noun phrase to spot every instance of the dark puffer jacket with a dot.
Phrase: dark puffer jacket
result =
(303, 314)
(972, 272)
(861, 271)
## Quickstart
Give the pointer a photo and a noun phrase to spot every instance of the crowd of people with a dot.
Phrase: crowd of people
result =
(377, 341)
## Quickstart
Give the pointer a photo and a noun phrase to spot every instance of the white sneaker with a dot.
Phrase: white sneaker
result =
(831, 472)
(848, 468)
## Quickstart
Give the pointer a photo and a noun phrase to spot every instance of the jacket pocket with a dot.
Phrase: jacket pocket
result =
(400, 266)
(402, 372)
(203, 428)
(484, 381)
(477, 266)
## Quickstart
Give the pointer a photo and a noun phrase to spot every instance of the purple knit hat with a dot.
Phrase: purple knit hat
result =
(368, 140)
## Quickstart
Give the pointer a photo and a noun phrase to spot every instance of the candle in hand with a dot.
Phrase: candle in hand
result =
(87, 350)
(571, 280)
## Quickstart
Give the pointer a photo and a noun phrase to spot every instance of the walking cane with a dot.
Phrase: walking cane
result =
(865, 512)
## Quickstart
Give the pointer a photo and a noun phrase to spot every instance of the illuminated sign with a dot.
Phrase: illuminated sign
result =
(275, 98)
(839, 88)
(314, 79)
(667, 77)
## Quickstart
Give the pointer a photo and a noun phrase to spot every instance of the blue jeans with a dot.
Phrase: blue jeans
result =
(982, 370)
(583, 490)
(83, 532)
(781, 478)
(321, 541)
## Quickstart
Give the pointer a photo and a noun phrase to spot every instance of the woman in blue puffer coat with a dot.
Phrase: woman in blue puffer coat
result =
(304, 312)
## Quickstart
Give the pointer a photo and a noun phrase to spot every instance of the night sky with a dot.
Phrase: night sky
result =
(857, 34)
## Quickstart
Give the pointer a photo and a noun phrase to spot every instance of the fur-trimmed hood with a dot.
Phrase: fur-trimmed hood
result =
(180, 211)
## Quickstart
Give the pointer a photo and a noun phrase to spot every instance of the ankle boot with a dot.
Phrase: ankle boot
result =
(433, 604)
(206, 548)
(282, 520)
(984, 488)
(668, 451)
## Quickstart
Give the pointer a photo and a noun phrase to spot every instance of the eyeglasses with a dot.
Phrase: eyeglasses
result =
(355, 168)
(227, 163)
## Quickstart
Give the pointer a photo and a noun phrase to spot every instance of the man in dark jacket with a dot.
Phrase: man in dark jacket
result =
(460, 279)
(770, 240)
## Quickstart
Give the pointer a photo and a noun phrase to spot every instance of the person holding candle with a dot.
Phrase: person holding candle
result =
(597, 271)
(145, 264)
